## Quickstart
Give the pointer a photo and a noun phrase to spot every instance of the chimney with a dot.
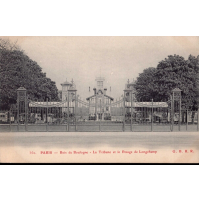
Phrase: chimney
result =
(94, 89)
(105, 89)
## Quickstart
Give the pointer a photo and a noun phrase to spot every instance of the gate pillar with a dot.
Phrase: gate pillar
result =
(176, 97)
(127, 98)
(22, 106)
(72, 97)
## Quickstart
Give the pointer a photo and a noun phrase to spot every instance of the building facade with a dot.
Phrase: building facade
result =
(100, 102)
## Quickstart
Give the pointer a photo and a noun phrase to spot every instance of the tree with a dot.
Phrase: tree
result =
(16, 70)
(144, 85)
(173, 72)
(176, 72)
(7, 45)
(193, 63)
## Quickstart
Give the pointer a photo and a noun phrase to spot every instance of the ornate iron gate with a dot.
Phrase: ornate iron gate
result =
(74, 114)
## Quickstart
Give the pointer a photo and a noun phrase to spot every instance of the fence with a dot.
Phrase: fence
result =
(46, 117)
(75, 115)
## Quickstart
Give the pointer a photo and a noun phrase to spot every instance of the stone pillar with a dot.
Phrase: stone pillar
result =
(176, 97)
(22, 98)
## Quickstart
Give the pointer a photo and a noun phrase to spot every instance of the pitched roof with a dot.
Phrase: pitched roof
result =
(176, 89)
(72, 88)
(90, 97)
(109, 97)
(66, 83)
(21, 89)
(95, 95)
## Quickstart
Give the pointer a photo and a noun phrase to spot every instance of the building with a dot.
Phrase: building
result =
(65, 86)
(101, 106)
(100, 102)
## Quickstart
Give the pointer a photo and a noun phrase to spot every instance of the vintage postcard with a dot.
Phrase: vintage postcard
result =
(99, 99)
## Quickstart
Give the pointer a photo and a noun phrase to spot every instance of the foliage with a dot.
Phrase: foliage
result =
(18, 70)
(193, 63)
(173, 72)
(144, 85)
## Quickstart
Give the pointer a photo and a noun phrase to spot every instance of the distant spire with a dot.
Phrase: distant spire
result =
(128, 81)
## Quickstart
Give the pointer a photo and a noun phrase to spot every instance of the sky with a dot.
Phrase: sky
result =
(117, 59)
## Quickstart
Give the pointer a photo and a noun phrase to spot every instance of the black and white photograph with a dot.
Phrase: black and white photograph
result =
(99, 99)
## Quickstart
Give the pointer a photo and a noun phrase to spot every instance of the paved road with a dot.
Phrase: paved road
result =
(114, 127)
(148, 140)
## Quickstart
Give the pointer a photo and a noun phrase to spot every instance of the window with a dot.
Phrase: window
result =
(100, 83)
